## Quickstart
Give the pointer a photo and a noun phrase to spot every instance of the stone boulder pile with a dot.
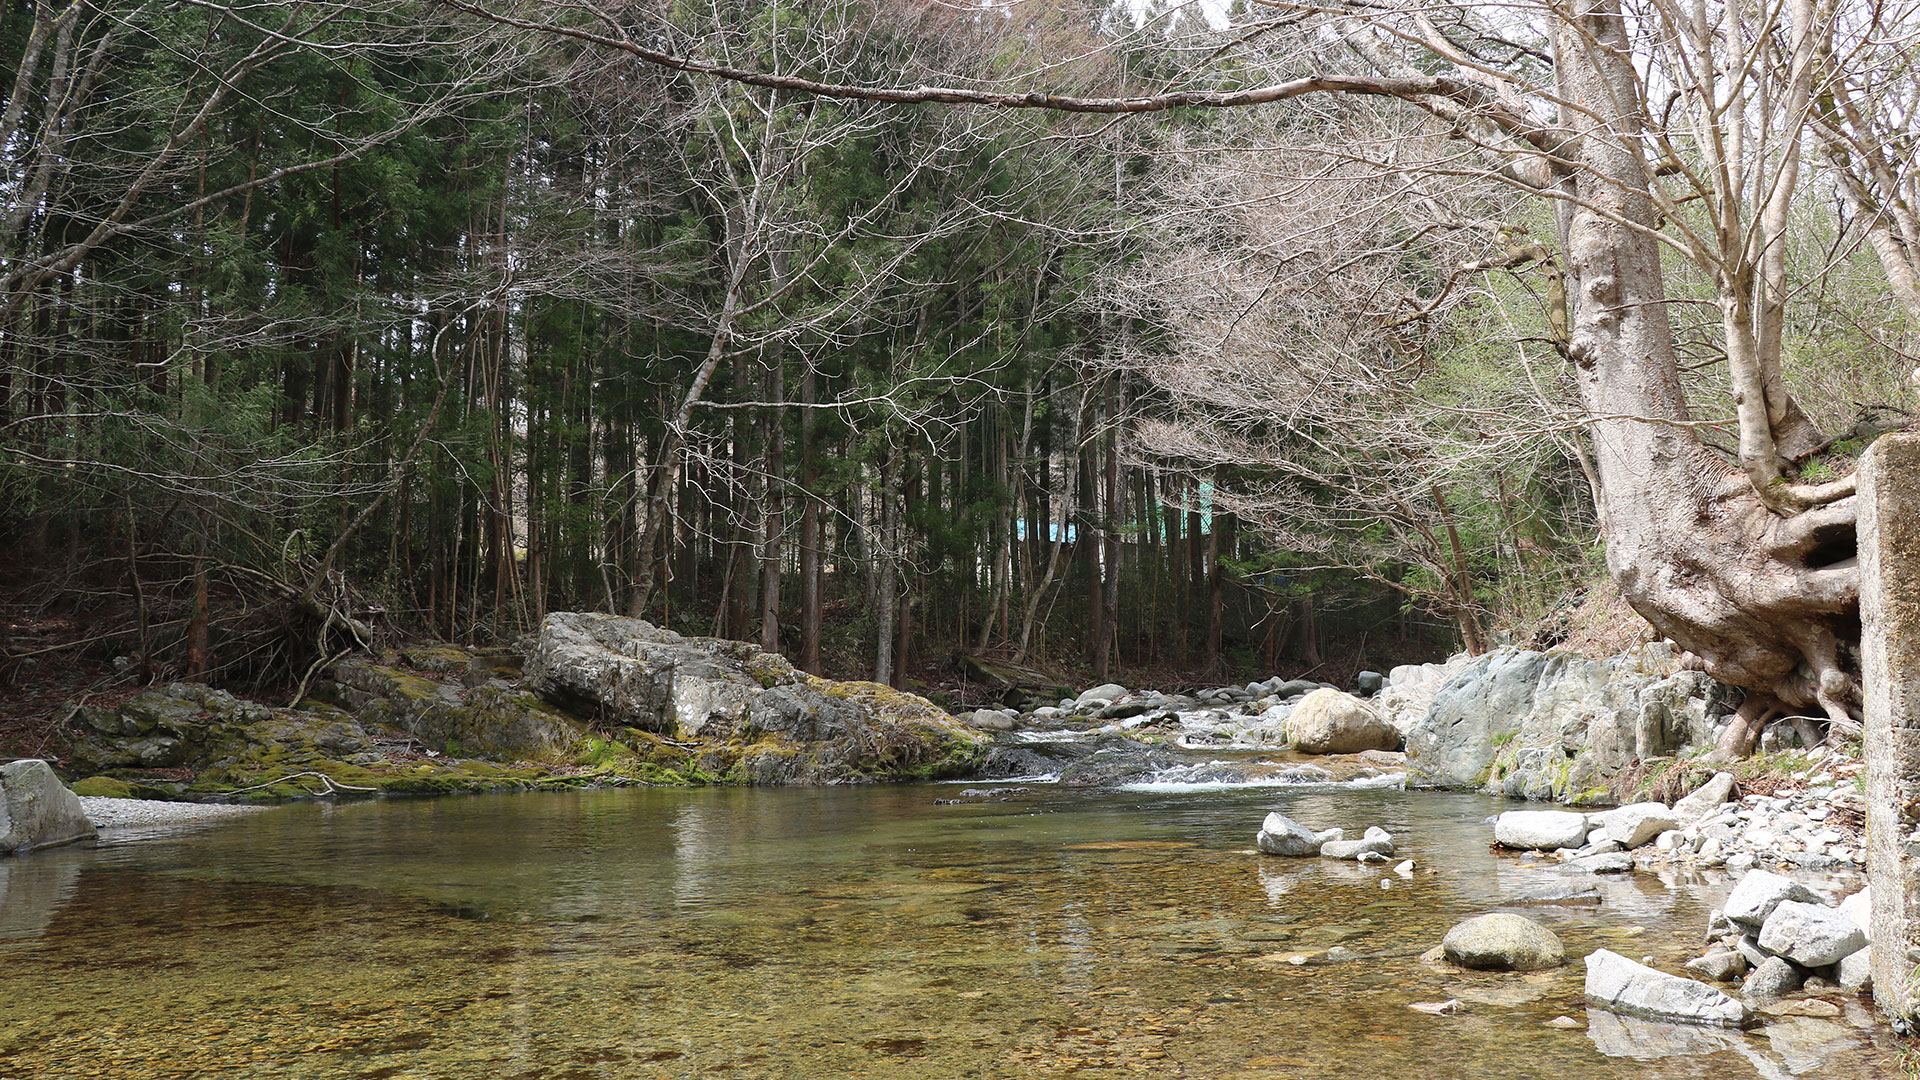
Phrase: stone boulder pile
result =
(1779, 934)
(1281, 835)
(1815, 826)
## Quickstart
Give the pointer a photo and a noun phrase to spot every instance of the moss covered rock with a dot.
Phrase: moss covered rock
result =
(753, 716)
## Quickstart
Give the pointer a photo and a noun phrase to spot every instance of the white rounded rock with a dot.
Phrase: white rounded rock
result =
(1540, 830)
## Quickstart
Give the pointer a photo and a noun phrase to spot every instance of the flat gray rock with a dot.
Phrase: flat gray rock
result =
(1609, 862)
(1557, 892)
(1620, 985)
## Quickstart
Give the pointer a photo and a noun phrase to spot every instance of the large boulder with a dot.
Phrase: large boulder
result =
(1541, 830)
(1503, 942)
(1811, 935)
(1099, 696)
(1550, 726)
(763, 720)
(37, 810)
(1620, 985)
(1333, 722)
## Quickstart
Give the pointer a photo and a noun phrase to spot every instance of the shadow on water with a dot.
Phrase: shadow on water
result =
(827, 933)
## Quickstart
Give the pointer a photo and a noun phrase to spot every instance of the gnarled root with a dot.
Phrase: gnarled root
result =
(1743, 731)
(1757, 601)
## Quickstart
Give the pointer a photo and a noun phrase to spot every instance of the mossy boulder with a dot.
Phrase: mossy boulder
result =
(231, 746)
(754, 717)
(493, 719)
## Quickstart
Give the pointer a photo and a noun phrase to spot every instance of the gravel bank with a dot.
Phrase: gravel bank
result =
(109, 813)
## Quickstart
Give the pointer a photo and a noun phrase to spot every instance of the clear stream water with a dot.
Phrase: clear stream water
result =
(864, 932)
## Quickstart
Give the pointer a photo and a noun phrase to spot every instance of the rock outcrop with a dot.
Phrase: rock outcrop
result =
(227, 745)
(1550, 726)
(601, 699)
(758, 717)
(36, 809)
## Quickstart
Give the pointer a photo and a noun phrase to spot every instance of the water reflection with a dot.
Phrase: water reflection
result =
(608, 935)
(33, 889)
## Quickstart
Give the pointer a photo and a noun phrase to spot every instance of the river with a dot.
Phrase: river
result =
(939, 931)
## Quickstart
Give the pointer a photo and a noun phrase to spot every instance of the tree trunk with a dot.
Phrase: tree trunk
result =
(882, 547)
(773, 535)
(810, 608)
(1755, 599)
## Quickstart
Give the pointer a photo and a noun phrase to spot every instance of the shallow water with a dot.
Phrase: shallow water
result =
(827, 933)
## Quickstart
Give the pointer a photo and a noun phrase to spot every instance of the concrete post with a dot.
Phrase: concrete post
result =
(1889, 528)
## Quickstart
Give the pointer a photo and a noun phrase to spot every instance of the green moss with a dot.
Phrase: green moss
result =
(444, 659)
(105, 786)
(407, 685)
(770, 670)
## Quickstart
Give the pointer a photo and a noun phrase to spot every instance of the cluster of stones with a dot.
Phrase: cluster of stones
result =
(1781, 935)
(1310, 717)
(1281, 835)
(1502, 941)
(1812, 828)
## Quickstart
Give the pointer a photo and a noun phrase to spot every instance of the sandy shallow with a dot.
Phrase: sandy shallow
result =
(109, 813)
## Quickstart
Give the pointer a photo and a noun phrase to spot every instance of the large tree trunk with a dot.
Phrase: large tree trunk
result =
(1756, 599)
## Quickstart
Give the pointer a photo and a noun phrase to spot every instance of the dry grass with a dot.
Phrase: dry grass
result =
(1599, 623)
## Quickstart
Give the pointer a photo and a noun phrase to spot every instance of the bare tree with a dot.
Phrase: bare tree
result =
(1649, 128)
